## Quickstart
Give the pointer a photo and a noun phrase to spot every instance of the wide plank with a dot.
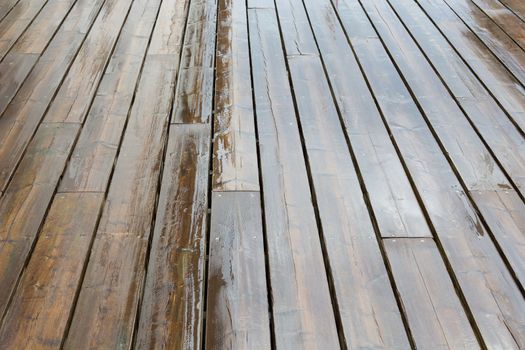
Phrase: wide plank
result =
(516, 6)
(302, 308)
(235, 165)
(6, 6)
(237, 306)
(38, 315)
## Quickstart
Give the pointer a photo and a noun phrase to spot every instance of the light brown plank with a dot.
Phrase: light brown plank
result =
(6, 6)
(237, 312)
(516, 6)
(172, 306)
(39, 312)
(107, 306)
(301, 304)
(234, 149)
(365, 300)
(24, 204)
(436, 317)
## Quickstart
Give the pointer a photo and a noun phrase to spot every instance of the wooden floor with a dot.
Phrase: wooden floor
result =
(290, 174)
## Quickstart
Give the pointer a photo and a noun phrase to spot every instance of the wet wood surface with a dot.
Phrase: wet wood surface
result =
(260, 174)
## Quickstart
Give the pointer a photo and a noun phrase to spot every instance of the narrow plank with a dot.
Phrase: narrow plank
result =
(111, 288)
(234, 148)
(16, 22)
(94, 155)
(6, 6)
(301, 304)
(24, 204)
(39, 312)
(491, 293)
(495, 77)
(396, 209)
(365, 300)
(490, 34)
(476, 166)
(172, 307)
(237, 313)
(193, 100)
(436, 317)
(22, 117)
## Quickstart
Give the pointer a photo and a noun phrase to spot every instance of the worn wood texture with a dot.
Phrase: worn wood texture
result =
(302, 308)
(39, 313)
(436, 317)
(234, 148)
(237, 305)
(172, 306)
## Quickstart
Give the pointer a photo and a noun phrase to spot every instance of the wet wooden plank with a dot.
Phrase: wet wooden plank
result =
(24, 204)
(172, 306)
(39, 312)
(194, 96)
(237, 306)
(92, 159)
(365, 300)
(22, 117)
(16, 22)
(490, 291)
(396, 209)
(435, 315)
(301, 304)
(109, 297)
(234, 148)
(494, 76)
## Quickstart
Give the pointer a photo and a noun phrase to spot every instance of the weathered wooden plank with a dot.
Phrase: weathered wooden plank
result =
(22, 117)
(16, 22)
(24, 204)
(301, 304)
(6, 6)
(91, 162)
(234, 148)
(298, 36)
(39, 312)
(107, 305)
(491, 293)
(194, 96)
(516, 6)
(237, 306)
(172, 306)
(365, 300)
(396, 209)
(435, 315)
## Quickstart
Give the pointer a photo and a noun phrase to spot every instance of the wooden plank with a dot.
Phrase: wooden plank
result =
(94, 155)
(516, 6)
(365, 300)
(172, 306)
(24, 204)
(435, 315)
(492, 74)
(39, 312)
(396, 209)
(234, 148)
(112, 285)
(6, 6)
(16, 22)
(301, 304)
(491, 293)
(22, 117)
(237, 313)
(194, 96)
(298, 35)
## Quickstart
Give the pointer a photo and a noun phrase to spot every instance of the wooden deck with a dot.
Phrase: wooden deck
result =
(289, 174)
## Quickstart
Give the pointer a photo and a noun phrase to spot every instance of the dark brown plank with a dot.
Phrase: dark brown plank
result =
(237, 305)
(396, 209)
(92, 159)
(107, 306)
(172, 306)
(365, 300)
(234, 148)
(491, 293)
(302, 309)
(193, 100)
(24, 204)
(435, 315)
(39, 312)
